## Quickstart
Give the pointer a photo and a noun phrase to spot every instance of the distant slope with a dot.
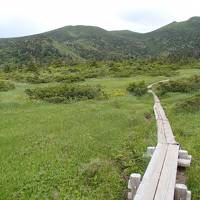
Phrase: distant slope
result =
(178, 39)
(181, 39)
(95, 43)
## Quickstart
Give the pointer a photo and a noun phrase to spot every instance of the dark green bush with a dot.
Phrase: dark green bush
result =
(90, 74)
(65, 93)
(190, 104)
(94, 73)
(18, 77)
(36, 79)
(172, 86)
(138, 89)
(71, 78)
(6, 85)
(187, 85)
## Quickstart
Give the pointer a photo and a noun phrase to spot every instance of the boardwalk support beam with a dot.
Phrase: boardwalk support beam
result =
(184, 160)
(183, 154)
(133, 184)
(181, 192)
(150, 151)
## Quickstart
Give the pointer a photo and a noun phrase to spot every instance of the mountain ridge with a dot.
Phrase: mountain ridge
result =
(70, 43)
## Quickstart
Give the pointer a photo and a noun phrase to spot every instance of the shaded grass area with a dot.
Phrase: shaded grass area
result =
(82, 150)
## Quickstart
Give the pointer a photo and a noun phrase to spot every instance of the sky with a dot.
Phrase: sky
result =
(27, 17)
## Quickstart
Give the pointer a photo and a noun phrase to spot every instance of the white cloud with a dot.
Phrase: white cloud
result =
(22, 17)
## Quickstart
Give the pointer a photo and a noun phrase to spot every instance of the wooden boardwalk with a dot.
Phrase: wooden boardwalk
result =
(159, 180)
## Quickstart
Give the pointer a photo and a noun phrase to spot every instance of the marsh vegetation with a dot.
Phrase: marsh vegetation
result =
(77, 132)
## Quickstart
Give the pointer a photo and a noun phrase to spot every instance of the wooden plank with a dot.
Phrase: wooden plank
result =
(157, 116)
(158, 110)
(157, 113)
(162, 112)
(147, 188)
(156, 99)
(161, 132)
(167, 182)
(169, 133)
(163, 126)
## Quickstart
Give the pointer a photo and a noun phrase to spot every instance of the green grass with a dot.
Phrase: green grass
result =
(48, 149)
(87, 149)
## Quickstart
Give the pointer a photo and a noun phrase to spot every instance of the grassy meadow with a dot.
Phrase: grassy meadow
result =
(85, 150)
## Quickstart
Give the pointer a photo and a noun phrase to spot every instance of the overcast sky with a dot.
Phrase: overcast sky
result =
(25, 17)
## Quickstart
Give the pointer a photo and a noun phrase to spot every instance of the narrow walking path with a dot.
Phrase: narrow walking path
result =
(159, 180)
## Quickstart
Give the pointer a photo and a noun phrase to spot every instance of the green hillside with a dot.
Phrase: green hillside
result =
(178, 39)
(78, 43)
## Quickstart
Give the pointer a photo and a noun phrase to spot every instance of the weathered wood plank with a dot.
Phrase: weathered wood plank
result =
(168, 133)
(161, 132)
(147, 188)
(162, 112)
(159, 179)
(167, 182)
(163, 124)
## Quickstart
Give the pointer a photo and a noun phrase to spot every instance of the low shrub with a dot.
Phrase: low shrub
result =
(17, 76)
(138, 89)
(94, 73)
(6, 85)
(172, 86)
(65, 92)
(186, 85)
(69, 78)
(190, 104)
(90, 74)
(36, 79)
